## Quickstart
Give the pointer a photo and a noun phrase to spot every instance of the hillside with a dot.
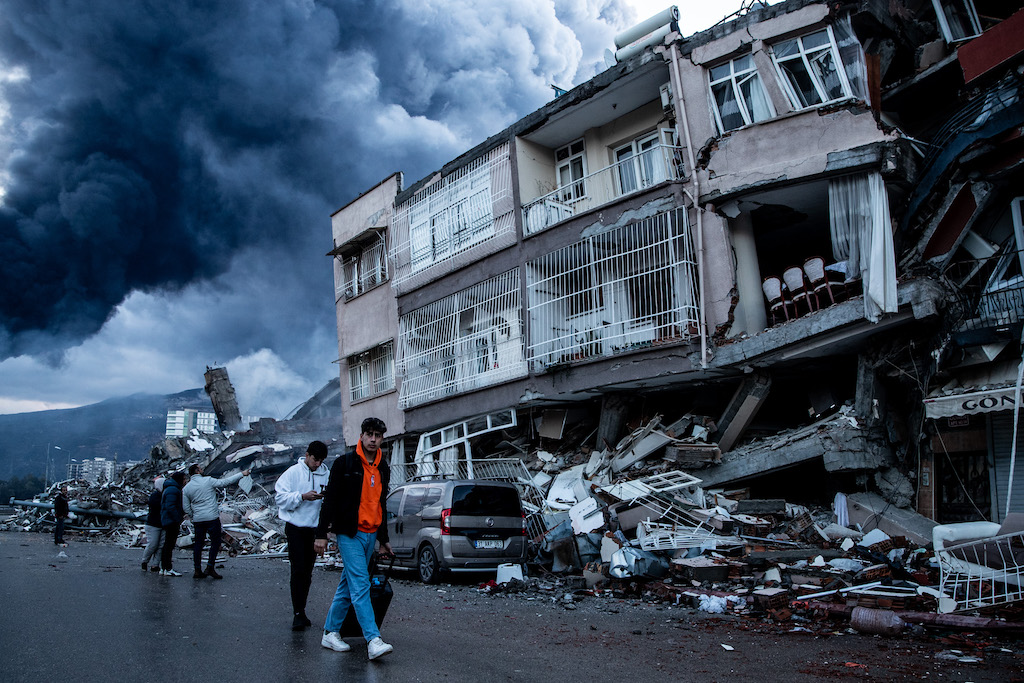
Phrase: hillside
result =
(125, 428)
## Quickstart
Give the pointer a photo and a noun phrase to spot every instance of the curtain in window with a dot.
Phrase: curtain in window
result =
(862, 236)
(852, 55)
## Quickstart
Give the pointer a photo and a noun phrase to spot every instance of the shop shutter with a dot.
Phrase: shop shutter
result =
(1002, 432)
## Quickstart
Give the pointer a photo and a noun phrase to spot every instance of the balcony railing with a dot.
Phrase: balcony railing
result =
(650, 167)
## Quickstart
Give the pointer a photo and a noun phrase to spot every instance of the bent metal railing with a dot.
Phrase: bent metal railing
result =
(646, 169)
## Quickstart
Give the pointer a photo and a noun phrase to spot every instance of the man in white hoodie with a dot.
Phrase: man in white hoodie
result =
(299, 495)
(200, 502)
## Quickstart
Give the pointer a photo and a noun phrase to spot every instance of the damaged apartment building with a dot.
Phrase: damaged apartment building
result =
(804, 223)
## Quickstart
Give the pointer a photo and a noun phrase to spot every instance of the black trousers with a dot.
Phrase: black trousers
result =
(301, 557)
(212, 528)
(167, 552)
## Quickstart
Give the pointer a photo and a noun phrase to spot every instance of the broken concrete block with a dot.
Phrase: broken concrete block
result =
(895, 487)
(766, 506)
(701, 569)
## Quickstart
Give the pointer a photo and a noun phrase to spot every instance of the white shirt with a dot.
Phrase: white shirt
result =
(290, 486)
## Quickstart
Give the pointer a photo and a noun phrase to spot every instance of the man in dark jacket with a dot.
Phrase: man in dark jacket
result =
(154, 527)
(353, 508)
(60, 511)
(171, 515)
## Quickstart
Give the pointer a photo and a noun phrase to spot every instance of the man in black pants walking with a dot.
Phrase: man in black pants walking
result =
(298, 494)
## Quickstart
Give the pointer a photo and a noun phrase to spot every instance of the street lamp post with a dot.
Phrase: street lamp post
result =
(46, 477)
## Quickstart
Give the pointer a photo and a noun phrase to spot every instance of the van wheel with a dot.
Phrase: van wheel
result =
(429, 570)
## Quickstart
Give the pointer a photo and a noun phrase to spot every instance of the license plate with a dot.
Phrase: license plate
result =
(482, 545)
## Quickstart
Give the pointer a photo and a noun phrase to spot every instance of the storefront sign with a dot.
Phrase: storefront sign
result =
(969, 404)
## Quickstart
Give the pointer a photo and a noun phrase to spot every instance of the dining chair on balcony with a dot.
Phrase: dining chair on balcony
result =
(798, 290)
(772, 288)
(817, 276)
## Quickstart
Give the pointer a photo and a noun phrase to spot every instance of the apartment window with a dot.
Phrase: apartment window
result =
(625, 289)
(465, 341)
(737, 95)
(371, 372)
(810, 69)
(571, 164)
(365, 269)
(644, 161)
(958, 19)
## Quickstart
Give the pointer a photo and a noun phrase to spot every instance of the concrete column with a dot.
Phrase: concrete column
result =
(748, 399)
(750, 315)
(612, 422)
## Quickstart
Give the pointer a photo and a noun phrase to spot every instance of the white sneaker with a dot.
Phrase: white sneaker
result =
(377, 648)
(169, 572)
(332, 640)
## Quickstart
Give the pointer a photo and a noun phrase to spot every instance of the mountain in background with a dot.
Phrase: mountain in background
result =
(125, 428)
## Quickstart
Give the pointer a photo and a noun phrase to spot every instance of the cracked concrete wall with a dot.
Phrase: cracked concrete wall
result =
(370, 318)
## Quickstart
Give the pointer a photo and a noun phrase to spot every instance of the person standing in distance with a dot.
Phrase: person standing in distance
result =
(298, 494)
(60, 512)
(154, 528)
(171, 517)
(200, 500)
(353, 508)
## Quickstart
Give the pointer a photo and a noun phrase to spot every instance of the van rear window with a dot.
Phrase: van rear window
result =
(485, 500)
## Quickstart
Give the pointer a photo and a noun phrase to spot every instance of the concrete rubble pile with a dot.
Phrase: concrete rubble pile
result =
(117, 510)
(638, 520)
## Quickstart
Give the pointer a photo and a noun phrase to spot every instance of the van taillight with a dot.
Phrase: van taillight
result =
(524, 524)
(446, 524)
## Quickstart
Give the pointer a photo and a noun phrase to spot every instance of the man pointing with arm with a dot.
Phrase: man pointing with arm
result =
(200, 502)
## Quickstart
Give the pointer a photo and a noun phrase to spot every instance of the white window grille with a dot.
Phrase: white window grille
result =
(462, 209)
(626, 289)
(372, 372)
(468, 340)
(958, 19)
(810, 70)
(364, 269)
(737, 96)
(571, 162)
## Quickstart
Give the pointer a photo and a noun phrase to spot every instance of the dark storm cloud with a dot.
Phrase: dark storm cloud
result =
(149, 144)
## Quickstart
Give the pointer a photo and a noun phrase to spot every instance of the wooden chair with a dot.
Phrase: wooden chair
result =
(772, 288)
(797, 286)
(818, 277)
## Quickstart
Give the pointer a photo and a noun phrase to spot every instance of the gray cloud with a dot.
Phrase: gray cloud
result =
(171, 167)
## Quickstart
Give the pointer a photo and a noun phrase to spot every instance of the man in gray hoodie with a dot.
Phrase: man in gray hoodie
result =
(200, 501)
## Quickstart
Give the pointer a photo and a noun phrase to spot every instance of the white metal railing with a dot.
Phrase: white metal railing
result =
(623, 290)
(467, 340)
(372, 372)
(460, 210)
(649, 167)
(364, 270)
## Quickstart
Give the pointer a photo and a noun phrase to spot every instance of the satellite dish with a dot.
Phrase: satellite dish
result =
(609, 58)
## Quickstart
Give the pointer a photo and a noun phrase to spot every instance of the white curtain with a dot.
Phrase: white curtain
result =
(852, 55)
(862, 236)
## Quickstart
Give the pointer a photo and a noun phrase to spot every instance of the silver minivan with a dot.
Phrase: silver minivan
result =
(439, 525)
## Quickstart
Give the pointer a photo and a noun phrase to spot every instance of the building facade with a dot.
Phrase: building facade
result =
(805, 210)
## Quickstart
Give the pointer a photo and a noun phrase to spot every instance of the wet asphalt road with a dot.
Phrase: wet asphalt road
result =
(95, 616)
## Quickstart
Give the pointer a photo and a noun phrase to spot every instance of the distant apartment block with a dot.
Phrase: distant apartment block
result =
(181, 422)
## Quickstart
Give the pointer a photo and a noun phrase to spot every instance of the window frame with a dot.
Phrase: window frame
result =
(374, 369)
(365, 267)
(802, 56)
(735, 86)
(576, 189)
(969, 10)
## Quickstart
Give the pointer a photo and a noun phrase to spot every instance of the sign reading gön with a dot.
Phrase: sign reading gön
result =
(970, 404)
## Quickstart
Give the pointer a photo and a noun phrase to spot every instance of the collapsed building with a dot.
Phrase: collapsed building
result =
(797, 234)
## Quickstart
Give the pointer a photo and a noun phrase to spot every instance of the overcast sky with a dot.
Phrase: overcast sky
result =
(168, 169)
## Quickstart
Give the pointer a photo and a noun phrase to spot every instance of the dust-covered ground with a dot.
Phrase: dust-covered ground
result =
(88, 612)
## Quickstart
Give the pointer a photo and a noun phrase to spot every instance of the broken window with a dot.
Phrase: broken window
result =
(958, 19)
(372, 372)
(737, 95)
(571, 162)
(810, 70)
(470, 339)
(625, 289)
(365, 269)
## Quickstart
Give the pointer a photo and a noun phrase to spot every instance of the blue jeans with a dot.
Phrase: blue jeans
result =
(354, 586)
